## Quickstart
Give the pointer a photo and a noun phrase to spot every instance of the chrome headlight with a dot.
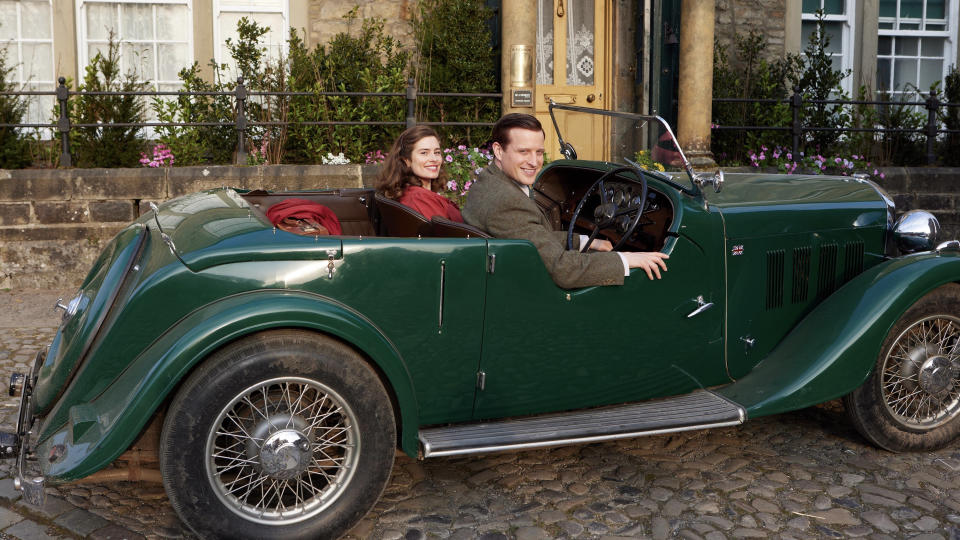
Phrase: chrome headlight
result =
(916, 230)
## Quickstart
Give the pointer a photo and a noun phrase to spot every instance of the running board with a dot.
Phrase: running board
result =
(699, 410)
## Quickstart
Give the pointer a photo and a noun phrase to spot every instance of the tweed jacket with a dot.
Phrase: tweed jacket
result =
(499, 206)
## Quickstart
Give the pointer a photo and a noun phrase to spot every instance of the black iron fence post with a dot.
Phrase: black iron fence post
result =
(933, 106)
(796, 104)
(411, 104)
(63, 123)
(241, 123)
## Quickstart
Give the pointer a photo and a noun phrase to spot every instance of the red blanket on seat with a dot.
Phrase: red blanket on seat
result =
(307, 211)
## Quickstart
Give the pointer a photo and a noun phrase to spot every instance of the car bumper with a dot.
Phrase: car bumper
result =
(18, 444)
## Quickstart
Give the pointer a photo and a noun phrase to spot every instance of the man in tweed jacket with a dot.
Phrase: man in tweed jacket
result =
(499, 203)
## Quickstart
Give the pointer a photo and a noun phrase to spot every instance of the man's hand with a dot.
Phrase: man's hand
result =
(650, 261)
(600, 244)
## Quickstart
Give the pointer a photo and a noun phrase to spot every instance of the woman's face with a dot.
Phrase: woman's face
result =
(425, 160)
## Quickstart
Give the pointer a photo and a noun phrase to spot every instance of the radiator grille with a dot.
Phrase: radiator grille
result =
(774, 279)
(801, 274)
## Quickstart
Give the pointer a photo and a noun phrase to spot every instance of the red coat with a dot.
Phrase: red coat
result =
(429, 203)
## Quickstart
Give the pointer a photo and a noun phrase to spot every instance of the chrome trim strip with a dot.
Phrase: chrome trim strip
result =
(574, 440)
(443, 281)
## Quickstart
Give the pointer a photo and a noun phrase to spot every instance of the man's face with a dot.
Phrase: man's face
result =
(522, 158)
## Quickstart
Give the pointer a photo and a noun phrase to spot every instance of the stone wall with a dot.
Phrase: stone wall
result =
(768, 17)
(53, 222)
(327, 18)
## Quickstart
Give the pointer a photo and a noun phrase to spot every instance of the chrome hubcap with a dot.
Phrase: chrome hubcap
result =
(920, 381)
(281, 451)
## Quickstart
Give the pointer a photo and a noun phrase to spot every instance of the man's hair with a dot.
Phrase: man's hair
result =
(501, 130)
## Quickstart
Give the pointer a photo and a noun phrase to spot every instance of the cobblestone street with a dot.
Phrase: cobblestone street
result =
(806, 474)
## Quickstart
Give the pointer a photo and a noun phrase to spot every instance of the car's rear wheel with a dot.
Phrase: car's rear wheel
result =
(283, 434)
(911, 400)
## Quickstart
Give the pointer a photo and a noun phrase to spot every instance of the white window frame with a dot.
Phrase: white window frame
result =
(218, 9)
(19, 65)
(83, 52)
(950, 34)
(848, 26)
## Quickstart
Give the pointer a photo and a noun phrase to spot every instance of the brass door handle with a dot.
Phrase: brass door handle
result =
(591, 98)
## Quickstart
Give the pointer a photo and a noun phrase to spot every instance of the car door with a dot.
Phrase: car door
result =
(550, 349)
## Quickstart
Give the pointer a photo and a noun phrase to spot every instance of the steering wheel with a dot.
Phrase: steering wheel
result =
(608, 213)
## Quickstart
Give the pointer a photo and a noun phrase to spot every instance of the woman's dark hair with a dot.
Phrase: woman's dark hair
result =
(395, 175)
(501, 130)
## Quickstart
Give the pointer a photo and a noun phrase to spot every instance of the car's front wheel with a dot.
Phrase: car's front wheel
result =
(282, 434)
(911, 400)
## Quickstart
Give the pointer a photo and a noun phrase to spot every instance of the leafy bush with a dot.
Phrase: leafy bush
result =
(14, 146)
(107, 146)
(370, 61)
(950, 149)
(454, 54)
(750, 76)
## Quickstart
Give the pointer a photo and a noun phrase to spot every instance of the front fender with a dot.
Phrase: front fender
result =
(833, 349)
(102, 429)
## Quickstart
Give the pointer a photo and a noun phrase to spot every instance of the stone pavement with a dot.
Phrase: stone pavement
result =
(805, 474)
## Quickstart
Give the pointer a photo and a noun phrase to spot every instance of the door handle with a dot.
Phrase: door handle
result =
(701, 307)
(591, 98)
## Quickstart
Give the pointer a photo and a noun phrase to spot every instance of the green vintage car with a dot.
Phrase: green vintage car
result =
(282, 371)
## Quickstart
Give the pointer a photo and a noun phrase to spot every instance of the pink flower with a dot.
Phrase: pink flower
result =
(449, 158)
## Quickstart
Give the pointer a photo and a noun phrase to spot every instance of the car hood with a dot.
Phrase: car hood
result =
(755, 205)
(219, 227)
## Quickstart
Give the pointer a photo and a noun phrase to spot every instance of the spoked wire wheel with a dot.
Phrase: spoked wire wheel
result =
(282, 450)
(920, 377)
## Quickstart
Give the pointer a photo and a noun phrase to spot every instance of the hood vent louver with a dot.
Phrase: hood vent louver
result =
(827, 272)
(801, 274)
(775, 279)
(853, 260)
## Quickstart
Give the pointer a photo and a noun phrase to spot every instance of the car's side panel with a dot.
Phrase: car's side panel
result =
(98, 431)
(548, 349)
(832, 350)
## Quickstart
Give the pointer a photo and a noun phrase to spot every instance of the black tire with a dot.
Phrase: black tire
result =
(282, 434)
(911, 400)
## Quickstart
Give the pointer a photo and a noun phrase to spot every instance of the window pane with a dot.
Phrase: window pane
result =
(909, 26)
(907, 46)
(94, 48)
(931, 46)
(834, 31)
(38, 61)
(904, 71)
(884, 45)
(936, 9)
(886, 26)
(36, 20)
(911, 9)
(834, 7)
(172, 23)
(138, 57)
(883, 75)
(936, 27)
(888, 8)
(137, 21)
(101, 18)
(172, 59)
(545, 42)
(931, 71)
(8, 19)
(580, 38)
(811, 6)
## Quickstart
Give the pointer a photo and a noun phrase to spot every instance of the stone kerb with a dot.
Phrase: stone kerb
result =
(54, 222)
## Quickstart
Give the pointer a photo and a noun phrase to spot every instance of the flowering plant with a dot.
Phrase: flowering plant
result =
(644, 160)
(463, 165)
(331, 159)
(162, 157)
(786, 162)
(374, 156)
(258, 156)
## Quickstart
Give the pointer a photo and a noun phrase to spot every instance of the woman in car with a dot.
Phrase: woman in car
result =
(413, 174)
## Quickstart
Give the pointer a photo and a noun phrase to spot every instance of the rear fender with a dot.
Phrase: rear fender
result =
(833, 349)
(101, 430)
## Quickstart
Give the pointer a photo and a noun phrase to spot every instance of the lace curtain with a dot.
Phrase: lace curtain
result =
(578, 15)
